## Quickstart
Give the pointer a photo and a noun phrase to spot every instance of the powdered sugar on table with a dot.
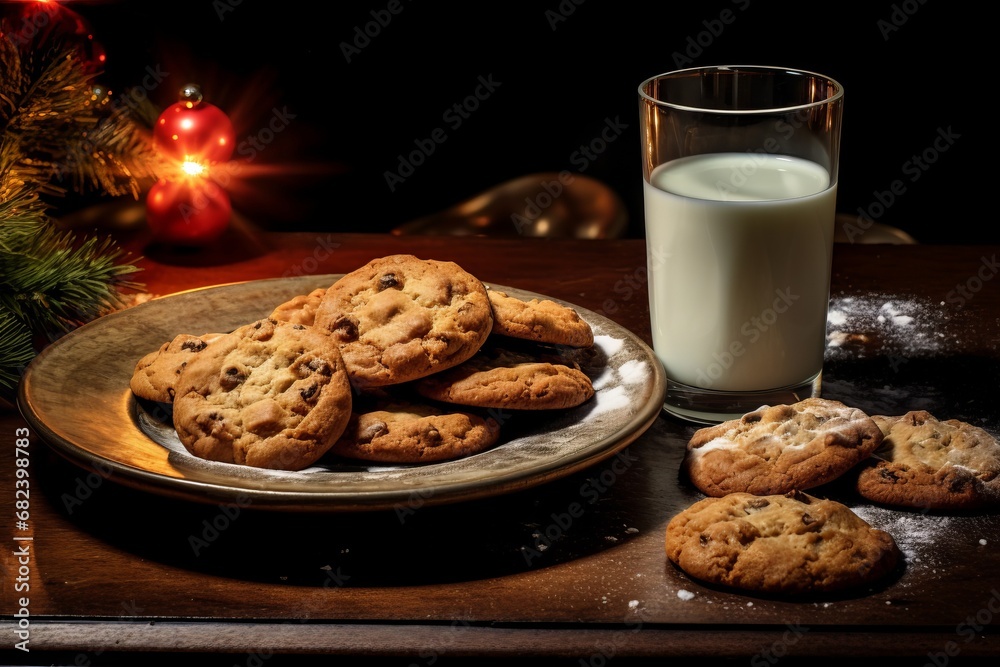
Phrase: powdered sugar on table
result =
(921, 536)
(909, 327)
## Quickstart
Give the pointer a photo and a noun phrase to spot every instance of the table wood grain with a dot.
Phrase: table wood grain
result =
(572, 569)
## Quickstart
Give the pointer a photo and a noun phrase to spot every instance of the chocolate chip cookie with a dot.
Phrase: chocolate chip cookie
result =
(499, 377)
(781, 448)
(540, 320)
(155, 374)
(269, 395)
(792, 544)
(399, 318)
(406, 432)
(930, 464)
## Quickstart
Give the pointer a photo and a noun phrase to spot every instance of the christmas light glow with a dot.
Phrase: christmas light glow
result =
(192, 168)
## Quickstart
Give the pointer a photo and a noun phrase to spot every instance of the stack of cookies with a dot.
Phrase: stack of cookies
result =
(399, 361)
(757, 529)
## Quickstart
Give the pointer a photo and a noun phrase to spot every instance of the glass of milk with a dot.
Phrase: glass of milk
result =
(740, 183)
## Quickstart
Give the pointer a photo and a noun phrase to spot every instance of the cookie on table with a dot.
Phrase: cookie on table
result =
(927, 463)
(792, 544)
(399, 318)
(407, 432)
(300, 309)
(498, 377)
(268, 395)
(155, 374)
(780, 448)
(540, 320)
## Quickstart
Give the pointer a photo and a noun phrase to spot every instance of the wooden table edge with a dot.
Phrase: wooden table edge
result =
(386, 639)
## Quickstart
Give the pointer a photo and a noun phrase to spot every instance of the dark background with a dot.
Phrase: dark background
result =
(911, 71)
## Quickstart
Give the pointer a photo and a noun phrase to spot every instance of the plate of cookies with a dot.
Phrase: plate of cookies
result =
(406, 381)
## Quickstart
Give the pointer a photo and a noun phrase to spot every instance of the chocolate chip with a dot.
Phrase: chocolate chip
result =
(798, 495)
(232, 378)
(372, 431)
(806, 519)
(959, 483)
(308, 392)
(388, 280)
(319, 366)
(194, 345)
(756, 504)
(703, 539)
(346, 329)
(888, 474)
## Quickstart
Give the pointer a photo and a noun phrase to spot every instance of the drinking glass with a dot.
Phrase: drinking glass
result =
(740, 182)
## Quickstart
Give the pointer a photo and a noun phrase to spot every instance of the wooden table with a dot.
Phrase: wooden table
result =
(115, 575)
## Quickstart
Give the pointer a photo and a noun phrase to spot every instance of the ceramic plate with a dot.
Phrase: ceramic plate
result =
(76, 396)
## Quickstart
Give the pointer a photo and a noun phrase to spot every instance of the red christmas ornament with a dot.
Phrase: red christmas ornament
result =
(187, 212)
(36, 24)
(194, 130)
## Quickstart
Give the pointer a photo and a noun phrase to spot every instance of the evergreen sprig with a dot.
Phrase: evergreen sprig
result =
(58, 133)
(16, 350)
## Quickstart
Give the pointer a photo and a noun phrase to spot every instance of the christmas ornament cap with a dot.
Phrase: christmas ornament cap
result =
(191, 95)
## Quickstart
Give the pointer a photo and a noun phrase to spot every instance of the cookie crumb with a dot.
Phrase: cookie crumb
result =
(632, 604)
(685, 595)
(983, 541)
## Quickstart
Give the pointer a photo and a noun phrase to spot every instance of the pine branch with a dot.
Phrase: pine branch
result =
(51, 282)
(22, 213)
(61, 283)
(10, 80)
(49, 278)
(57, 134)
(81, 140)
(115, 157)
(15, 350)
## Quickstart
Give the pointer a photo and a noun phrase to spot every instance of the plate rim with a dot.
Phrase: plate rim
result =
(197, 490)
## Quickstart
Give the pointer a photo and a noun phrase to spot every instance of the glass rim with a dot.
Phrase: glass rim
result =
(773, 69)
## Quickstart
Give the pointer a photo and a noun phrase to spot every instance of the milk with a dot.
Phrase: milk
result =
(739, 248)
